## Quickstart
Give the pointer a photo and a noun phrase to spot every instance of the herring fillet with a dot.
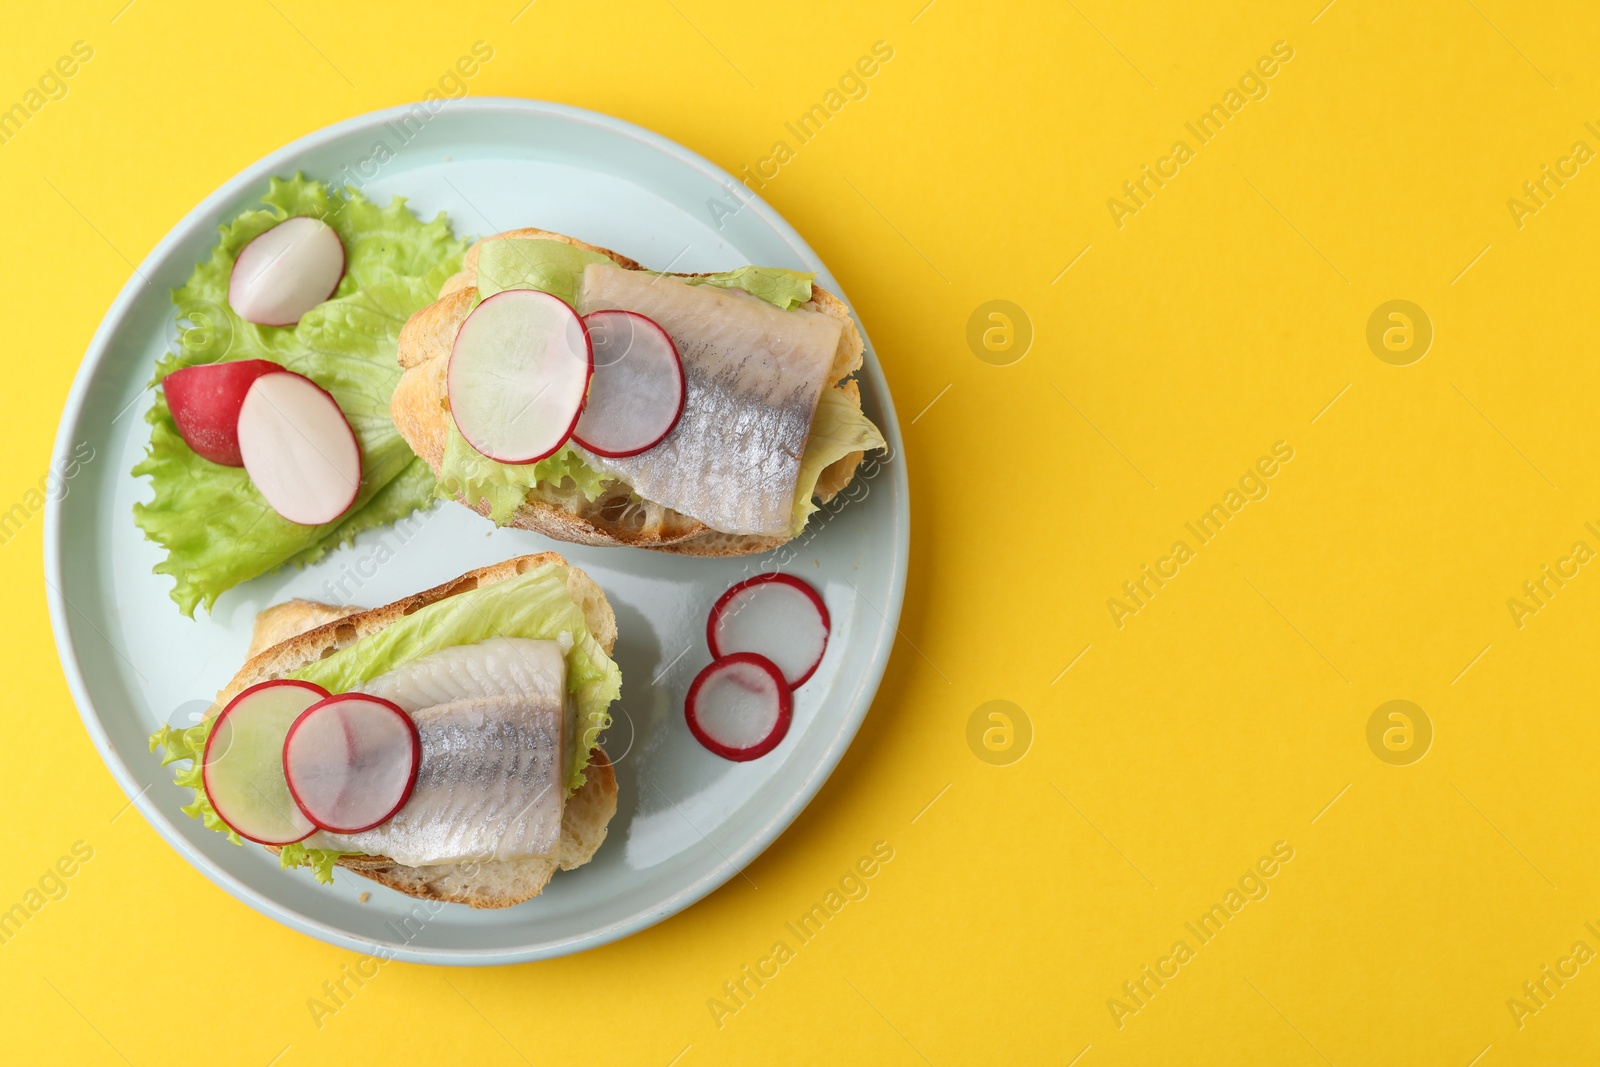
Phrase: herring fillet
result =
(753, 374)
(493, 723)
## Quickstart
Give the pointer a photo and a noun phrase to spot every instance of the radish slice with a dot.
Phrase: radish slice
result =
(739, 707)
(286, 271)
(638, 390)
(351, 762)
(775, 615)
(298, 448)
(205, 401)
(518, 374)
(242, 765)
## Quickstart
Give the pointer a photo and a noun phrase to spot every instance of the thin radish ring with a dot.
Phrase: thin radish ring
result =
(780, 727)
(760, 580)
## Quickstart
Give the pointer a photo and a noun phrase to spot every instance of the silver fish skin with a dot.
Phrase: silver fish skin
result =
(493, 720)
(500, 666)
(753, 374)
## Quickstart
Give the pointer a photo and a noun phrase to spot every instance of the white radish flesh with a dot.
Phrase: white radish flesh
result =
(351, 762)
(242, 766)
(739, 707)
(286, 271)
(518, 375)
(298, 449)
(637, 393)
(775, 615)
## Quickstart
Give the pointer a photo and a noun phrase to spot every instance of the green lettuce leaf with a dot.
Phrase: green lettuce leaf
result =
(556, 267)
(190, 744)
(787, 289)
(320, 860)
(553, 267)
(475, 478)
(217, 529)
(838, 429)
(534, 605)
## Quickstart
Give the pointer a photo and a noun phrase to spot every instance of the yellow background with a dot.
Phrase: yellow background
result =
(1227, 715)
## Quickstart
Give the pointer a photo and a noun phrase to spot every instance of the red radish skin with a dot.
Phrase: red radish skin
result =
(205, 401)
(637, 394)
(213, 774)
(372, 733)
(727, 671)
(518, 375)
(782, 652)
(299, 449)
(286, 271)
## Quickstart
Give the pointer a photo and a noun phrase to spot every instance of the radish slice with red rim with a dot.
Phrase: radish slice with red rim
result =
(739, 707)
(637, 393)
(299, 449)
(518, 374)
(286, 271)
(351, 762)
(241, 767)
(205, 400)
(775, 615)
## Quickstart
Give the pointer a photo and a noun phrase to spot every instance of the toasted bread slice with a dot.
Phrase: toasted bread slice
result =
(617, 516)
(290, 619)
(292, 634)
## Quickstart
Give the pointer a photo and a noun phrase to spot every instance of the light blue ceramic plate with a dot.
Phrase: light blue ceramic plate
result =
(687, 821)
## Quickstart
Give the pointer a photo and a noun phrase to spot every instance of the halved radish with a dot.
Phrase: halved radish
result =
(638, 390)
(286, 271)
(242, 765)
(518, 374)
(351, 762)
(298, 448)
(205, 401)
(739, 707)
(776, 615)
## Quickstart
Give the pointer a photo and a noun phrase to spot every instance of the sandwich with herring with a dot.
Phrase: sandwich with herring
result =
(560, 387)
(445, 745)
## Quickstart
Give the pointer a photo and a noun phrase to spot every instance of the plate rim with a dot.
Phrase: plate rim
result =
(95, 357)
